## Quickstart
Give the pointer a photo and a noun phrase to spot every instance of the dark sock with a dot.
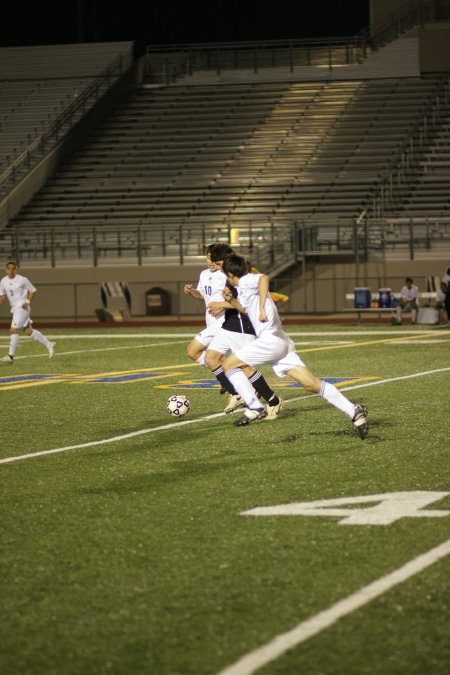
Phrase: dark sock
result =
(262, 388)
(224, 381)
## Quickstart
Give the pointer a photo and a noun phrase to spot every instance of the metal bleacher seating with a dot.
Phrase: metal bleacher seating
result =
(37, 84)
(234, 153)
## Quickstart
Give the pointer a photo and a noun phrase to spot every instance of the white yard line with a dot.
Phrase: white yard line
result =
(156, 336)
(283, 642)
(180, 423)
(90, 351)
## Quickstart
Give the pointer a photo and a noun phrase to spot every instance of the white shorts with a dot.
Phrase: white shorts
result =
(269, 348)
(226, 341)
(207, 334)
(20, 318)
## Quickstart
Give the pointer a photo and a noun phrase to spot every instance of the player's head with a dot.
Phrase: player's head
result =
(211, 264)
(219, 252)
(11, 267)
(235, 267)
(409, 282)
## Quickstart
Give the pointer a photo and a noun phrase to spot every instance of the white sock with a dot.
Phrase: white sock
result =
(37, 335)
(243, 387)
(13, 342)
(414, 315)
(332, 395)
(201, 359)
(399, 314)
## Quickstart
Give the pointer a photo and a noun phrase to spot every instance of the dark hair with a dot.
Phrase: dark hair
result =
(235, 265)
(220, 252)
(409, 279)
(208, 249)
(11, 262)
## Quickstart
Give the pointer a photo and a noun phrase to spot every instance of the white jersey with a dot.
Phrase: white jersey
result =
(409, 294)
(16, 289)
(249, 299)
(211, 285)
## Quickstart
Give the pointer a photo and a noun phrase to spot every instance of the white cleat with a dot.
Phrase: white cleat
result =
(235, 401)
(51, 349)
(274, 410)
(7, 359)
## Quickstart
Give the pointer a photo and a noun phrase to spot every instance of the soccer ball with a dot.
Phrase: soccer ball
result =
(178, 405)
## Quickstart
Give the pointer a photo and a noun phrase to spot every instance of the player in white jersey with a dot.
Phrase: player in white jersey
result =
(209, 289)
(408, 301)
(273, 346)
(20, 292)
(235, 332)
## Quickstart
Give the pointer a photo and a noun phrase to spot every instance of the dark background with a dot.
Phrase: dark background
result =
(162, 22)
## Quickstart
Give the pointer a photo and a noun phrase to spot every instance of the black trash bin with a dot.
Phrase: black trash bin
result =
(157, 301)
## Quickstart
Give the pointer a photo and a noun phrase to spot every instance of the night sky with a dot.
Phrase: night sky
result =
(163, 22)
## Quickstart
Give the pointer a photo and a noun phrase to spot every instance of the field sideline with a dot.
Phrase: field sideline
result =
(126, 547)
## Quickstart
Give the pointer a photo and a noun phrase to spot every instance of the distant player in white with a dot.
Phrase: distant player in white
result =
(273, 346)
(408, 300)
(209, 289)
(20, 292)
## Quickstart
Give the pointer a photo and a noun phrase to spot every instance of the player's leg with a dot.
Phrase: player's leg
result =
(232, 366)
(414, 311)
(213, 359)
(265, 349)
(40, 337)
(399, 310)
(196, 351)
(13, 342)
(223, 344)
(332, 395)
(274, 403)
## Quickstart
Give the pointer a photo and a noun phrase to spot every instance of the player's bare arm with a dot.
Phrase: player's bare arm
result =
(215, 308)
(233, 302)
(2, 298)
(263, 289)
(190, 290)
(30, 297)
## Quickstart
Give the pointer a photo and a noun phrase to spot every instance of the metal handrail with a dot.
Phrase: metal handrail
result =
(410, 14)
(179, 59)
(412, 144)
(270, 245)
(25, 160)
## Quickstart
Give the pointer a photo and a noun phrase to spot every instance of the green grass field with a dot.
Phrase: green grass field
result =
(125, 550)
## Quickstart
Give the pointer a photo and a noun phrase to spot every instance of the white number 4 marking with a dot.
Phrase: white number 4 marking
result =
(386, 509)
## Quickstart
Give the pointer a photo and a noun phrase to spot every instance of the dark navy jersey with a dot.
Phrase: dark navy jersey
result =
(234, 320)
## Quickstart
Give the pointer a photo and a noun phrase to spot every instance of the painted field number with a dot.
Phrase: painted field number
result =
(384, 509)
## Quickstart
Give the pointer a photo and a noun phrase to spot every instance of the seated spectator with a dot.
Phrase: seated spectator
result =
(440, 303)
(408, 301)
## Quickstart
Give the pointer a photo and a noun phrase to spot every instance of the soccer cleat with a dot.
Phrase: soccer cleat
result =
(272, 411)
(51, 349)
(249, 415)
(7, 359)
(360, 421)
(235, 401)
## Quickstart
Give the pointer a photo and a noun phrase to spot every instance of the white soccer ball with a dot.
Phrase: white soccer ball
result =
(178, 405)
